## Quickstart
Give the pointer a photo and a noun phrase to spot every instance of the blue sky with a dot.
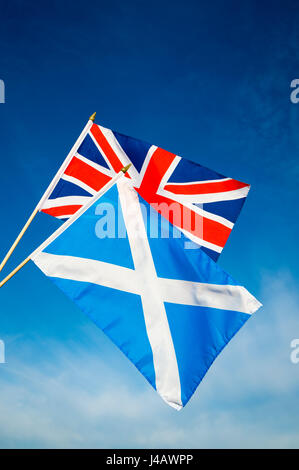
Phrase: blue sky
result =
(209, 81)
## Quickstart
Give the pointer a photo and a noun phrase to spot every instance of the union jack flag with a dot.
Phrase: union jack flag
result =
(209, 203)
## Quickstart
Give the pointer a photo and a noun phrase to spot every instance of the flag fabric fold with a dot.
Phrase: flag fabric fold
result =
(207, 204)
(171, 311)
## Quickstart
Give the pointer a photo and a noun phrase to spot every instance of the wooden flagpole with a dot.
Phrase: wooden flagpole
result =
(14, 271)
(16, 242)
(67, 223)
(49, 189)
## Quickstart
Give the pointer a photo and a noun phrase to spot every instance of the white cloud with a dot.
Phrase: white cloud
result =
(78, 396)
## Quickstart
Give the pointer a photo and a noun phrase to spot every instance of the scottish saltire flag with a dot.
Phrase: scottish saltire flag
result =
(207, 203)
(170, 310)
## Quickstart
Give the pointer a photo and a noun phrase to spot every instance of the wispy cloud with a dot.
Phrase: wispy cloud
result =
(75, 396)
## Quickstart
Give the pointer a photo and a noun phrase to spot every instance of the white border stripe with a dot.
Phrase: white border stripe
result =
(82, 185)
(100, 149)
(119, 151)
(198, 182)
(96, 166)
(200, 241)
(147, 159)
(211, 197)
(66, 201)
(64, 217)
(169, 172)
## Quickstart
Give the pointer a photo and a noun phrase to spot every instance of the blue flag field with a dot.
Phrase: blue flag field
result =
(169, 309)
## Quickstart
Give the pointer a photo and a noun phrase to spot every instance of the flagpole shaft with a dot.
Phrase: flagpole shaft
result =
(67, 223)
(7, 278)
(18, 239)
(49, 189)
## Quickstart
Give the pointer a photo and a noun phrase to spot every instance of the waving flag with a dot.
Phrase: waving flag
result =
(170, 310)
(206, 204)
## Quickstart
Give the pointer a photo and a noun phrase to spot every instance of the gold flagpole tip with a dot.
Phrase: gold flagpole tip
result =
(92, 117)
(125, 168)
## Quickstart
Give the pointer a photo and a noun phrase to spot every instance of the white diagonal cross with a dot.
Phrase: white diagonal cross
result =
(154, 291)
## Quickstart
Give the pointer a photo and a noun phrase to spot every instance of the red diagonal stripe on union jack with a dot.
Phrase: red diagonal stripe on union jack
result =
(206, 188)
(180, 215)
(86, 174)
